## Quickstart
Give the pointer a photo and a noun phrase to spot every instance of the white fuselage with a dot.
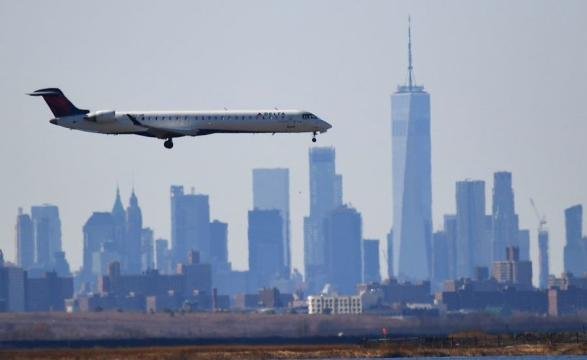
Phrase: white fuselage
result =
(170, 124)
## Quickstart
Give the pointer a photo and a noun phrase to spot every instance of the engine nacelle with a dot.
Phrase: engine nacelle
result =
(102, 116)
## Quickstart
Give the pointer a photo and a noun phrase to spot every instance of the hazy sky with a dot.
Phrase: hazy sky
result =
(508, 85)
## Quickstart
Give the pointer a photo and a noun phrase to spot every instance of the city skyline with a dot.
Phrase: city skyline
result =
(466, 126)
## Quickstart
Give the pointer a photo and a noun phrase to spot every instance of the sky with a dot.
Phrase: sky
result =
(508, 82)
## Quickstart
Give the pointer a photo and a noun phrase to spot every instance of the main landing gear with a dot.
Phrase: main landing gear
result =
(314, 137)
(168, 143)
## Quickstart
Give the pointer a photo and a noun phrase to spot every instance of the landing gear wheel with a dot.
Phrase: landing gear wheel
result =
(168, 144)
(314, 137)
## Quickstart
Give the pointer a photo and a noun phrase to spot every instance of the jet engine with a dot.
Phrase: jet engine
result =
(102, 116)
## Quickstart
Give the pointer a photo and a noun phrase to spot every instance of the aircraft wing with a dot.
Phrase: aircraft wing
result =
(160, 132)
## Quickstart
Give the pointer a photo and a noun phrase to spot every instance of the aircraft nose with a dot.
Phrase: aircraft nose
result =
(326, 125)
(53, 121)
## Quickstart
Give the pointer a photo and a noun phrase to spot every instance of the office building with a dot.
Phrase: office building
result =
(162, 256)
(371, 272)
(513, 270)
(334, 304)
(98, 230)
(25, 242)
(190, 224)
(147, 249)
(411, 177)
(12, 288)
(440, 258)
(323, 199)
(473, 249)
(450, 232)
(574, 253)
(47, 233)
(119, 223)
(48, 293)
(134, 227)
(219, 242)
(265, 236)
(61, 265)
(390, 257)
(524, 244)
(271, 192)
(543, 259)
(505, 220)
(343, 235)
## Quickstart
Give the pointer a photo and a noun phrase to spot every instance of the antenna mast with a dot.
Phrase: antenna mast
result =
(410, 67)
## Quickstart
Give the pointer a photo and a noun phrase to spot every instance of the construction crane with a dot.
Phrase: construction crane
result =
(541, 218)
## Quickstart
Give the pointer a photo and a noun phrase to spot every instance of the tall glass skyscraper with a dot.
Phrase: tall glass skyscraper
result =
(473, 247)
(47, 233)
(325, 190)
(134, 227)
(543, 266)
(271, 192)
(574, 255)
(411, 176)
(25, 242)
(190, 225)
(343, 235)
(505, 220)
(265, 246)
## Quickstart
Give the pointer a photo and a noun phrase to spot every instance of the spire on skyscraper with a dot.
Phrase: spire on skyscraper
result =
(410, 67)
(133, 198)
(117, 208)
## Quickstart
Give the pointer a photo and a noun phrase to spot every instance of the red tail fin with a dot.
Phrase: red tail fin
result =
(58, 103)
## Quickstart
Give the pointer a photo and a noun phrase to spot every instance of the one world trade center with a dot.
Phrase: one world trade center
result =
(411, 177)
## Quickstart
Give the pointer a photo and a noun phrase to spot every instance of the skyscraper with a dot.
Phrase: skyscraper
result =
(389, 258)
(505, 220)
(524, 244)
(574, 256)
(25, 243)
(344, 251)
(134, 228)
(119, 219)
(47, 233)
(371, 261)
(147, 250)
(450, 231)
(543, 266)
(271, 191)
(323, 199)
(440, 259)
(219, 242)
(411, 176)
(99, 229)
(473, 249)
(265, 246)
(190, 224)
(162, 256)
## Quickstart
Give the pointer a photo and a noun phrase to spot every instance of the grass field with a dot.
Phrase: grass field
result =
(289, 352)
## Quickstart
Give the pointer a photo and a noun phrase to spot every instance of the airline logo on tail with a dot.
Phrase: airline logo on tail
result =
(58, 103)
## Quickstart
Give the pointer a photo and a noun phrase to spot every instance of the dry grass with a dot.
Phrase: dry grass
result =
(112, 325)
(286, 352)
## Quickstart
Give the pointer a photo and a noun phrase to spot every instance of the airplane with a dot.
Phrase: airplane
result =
(171, 124)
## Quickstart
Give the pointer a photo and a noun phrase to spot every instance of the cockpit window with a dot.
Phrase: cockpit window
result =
(308, 116)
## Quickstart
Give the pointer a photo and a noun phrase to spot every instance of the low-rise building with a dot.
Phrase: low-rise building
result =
(334, 304)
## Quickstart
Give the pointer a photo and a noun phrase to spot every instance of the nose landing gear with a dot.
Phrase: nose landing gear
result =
(314, 137)
(168, 143)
